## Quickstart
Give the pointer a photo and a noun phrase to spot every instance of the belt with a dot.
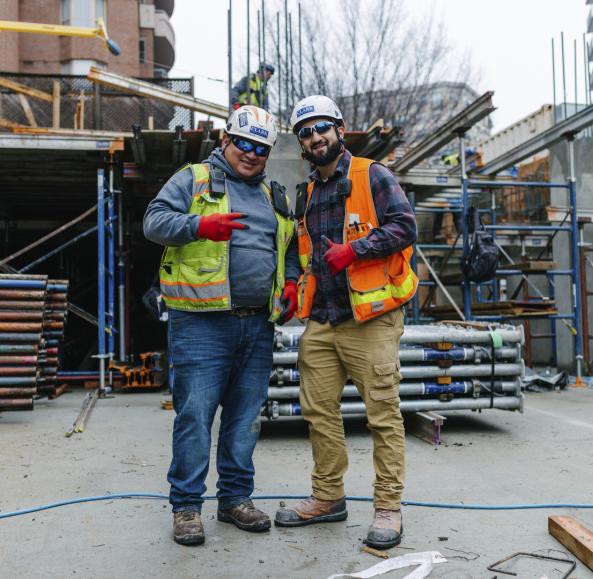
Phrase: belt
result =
(243, 312)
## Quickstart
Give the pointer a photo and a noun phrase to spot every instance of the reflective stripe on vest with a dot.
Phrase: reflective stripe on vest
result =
(376, 285)
(194, 276)
(256, 85)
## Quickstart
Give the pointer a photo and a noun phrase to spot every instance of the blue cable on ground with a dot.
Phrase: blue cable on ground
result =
(470, 507)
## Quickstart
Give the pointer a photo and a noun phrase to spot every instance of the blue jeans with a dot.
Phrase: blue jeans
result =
(219, 359)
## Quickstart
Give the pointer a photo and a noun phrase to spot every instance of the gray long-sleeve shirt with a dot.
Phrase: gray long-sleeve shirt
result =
(253, 257)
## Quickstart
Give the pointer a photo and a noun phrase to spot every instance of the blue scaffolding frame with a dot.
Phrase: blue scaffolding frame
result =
(107, 215)
(471, 288)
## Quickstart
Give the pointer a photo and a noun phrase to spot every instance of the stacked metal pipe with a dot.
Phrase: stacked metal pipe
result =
(442, 367)
(32, 317)
(22, 302)
(55, 310)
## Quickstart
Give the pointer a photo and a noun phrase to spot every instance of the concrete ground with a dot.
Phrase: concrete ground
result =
(543, 455)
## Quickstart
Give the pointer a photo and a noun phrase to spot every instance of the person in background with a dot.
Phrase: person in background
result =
(253, 90)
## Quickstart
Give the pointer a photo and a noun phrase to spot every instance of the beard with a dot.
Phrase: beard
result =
(332, 153)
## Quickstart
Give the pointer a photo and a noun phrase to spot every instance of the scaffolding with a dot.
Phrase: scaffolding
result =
(484, 183)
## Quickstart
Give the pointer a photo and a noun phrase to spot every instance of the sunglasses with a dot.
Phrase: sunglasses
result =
(247, 147)
(320, 128)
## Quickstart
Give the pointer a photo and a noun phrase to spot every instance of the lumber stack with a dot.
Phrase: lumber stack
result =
(32, 317)
(442, 367)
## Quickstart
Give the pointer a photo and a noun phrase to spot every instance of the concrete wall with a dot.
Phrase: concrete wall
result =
(286, 165)
(559, 170)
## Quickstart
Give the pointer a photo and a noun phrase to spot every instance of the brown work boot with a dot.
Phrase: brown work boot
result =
(386, 529)
(310, 511)
(246, 517)
(188, 528)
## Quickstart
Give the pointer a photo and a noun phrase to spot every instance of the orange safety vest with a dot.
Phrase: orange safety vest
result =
(376, 285)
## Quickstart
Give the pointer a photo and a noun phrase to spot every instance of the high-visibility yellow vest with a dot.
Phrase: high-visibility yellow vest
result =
(375, 285)
(256, 85)
(194, 276)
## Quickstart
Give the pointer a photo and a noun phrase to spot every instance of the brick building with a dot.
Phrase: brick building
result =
(142, 28)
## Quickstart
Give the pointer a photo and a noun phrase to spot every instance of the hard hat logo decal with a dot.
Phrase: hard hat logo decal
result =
(260, 132)
(304, 111)
(243, 119)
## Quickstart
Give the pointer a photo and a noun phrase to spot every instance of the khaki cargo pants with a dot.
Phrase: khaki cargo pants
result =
(369, 354)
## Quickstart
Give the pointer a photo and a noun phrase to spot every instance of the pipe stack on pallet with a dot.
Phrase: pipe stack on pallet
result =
(442, 367)
(32, 317)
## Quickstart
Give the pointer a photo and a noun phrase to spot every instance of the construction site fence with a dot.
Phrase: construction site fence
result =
(74, 102)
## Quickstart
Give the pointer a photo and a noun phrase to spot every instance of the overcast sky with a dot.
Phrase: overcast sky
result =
(510, 43)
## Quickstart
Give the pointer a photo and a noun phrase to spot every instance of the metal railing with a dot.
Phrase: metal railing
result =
(74, 102)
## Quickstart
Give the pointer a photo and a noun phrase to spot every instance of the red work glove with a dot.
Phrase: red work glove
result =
(339, 255)
(218, 227)
(289, 302)
(236, 106)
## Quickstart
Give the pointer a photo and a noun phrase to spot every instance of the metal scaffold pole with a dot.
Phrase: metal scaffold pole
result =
(111, 217)
(230, 51)
(576, 270)
(415, 299)
(279, 66)
(121, 270)
(248, 54)
(467, 291)
(554, 82)
(101, 345)
(111, 282)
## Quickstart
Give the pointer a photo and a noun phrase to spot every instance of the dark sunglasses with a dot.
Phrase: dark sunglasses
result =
(319, 128)
(247, 147)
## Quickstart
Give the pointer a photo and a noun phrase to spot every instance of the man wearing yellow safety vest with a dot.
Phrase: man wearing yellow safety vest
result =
(355, 231)
(253, 90)
(228, 273)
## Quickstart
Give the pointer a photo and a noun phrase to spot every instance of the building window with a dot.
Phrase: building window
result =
(142, 51)
(82, 12)
(79, 67)
(100, 9)
(65, 11)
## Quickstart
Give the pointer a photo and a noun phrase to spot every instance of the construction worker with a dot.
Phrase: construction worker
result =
(254, 92)
(355, 231)
(228, 273)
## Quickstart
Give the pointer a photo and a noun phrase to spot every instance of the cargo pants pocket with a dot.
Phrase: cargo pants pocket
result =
(382, 381)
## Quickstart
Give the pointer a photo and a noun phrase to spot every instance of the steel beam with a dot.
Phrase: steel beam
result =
(459, 124)
(57, 142)
(567, 128)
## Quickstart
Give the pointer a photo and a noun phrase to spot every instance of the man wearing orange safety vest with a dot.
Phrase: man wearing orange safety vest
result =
(355, 235)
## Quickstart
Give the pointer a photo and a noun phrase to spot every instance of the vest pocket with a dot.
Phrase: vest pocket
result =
(201, 270)
(368, 275)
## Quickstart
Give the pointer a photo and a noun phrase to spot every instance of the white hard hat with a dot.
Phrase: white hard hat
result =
(313, 107)
(253, 123)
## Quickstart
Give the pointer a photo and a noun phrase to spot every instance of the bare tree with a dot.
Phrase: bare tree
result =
(376, 62)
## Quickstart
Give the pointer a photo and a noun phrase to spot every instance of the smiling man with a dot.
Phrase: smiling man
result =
(228, 273)
(355, 231)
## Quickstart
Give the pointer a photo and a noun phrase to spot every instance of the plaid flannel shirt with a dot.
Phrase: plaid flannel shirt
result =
(325, 216)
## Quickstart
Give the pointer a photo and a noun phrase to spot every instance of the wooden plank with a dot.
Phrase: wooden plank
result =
(536, 265)
(56, 105)
(26, 90)
(574, 536)
(28, 111)
(10, 124)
